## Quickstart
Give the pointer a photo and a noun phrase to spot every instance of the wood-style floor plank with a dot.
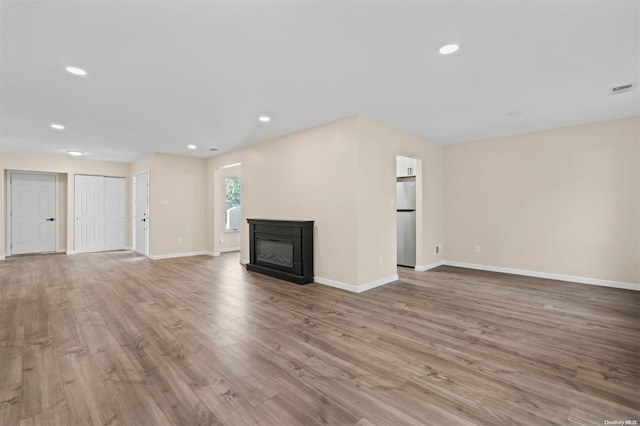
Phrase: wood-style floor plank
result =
(115, 338)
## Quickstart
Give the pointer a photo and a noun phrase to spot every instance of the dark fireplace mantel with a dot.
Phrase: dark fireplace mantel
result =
(282, 249)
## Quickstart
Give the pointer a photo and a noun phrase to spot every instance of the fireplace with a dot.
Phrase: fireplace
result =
(282, 249)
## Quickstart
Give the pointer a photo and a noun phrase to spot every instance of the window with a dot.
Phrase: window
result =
(232, 204)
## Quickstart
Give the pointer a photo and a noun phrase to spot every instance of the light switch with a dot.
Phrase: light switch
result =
(164, 202)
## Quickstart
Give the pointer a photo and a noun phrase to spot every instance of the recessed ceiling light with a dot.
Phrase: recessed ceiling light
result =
(57, 126)
(76, 71)
(514, 113)
(448, 49)
(191, 146)
(264, 118)
(74, 152)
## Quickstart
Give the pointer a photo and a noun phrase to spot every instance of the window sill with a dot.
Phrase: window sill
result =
(231, 231)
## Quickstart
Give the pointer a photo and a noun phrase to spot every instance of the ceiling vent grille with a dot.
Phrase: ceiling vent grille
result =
(620, 89)
(213, 149)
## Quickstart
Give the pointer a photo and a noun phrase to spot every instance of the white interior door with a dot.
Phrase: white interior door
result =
(141, 211)
(114, 211)
(33, 213)
(89, 211)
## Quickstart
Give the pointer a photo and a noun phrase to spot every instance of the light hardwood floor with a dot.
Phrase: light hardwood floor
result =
(115, 338)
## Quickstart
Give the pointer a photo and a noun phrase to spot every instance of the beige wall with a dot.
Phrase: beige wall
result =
(378, 146)
(563, 201)
(142, 165)
(342, 175)
(181, 182)
(309, 175)
(67, 168)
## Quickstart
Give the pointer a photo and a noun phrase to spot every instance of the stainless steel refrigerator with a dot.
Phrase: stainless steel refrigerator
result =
(406, 216)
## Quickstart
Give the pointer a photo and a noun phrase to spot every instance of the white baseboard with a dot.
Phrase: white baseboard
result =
(429, 266)
(172, 255)
(212, 253)
(1, 257)
(377, 283)
(355, 288)
(89, 252)
(226, 250)
(244, 261)
(336, 284)
(559, 277)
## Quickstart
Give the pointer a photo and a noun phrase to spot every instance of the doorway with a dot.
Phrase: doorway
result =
(408, 211)
(227, 218)
(141, 213)
(32, 210)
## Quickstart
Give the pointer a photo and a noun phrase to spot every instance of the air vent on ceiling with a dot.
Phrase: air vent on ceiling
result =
(621, 89)
(213, 149)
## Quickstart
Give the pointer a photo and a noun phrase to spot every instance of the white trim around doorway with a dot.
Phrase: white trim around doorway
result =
(133, 212)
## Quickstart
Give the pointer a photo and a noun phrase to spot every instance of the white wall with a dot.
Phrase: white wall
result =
(563, 201)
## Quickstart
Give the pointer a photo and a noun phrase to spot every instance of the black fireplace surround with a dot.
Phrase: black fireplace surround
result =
(282, 249)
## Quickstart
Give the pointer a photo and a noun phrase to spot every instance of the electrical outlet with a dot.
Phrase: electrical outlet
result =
(476, 249)
(221, 240)
(380, 260)
(179, 240)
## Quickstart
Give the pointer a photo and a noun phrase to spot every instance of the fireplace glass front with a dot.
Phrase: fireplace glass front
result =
(275, 252)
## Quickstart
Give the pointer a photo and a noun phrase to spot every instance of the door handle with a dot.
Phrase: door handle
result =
(51, 219)
(143, 220)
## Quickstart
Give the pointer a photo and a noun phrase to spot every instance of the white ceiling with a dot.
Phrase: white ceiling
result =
(162, 75)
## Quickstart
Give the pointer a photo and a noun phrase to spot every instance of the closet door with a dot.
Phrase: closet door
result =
(89, 211)
(114, 211)
(99, 213)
